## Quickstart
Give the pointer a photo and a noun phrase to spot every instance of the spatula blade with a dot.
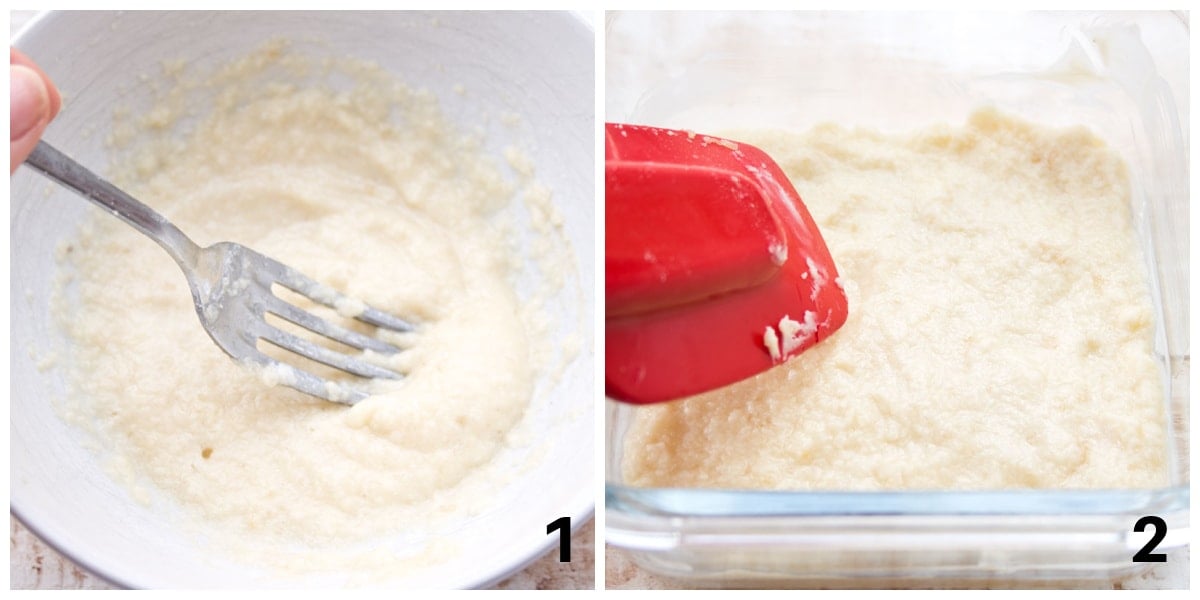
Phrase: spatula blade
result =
(714, 269)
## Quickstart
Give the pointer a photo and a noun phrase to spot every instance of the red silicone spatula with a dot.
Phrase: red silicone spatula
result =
(714, 270)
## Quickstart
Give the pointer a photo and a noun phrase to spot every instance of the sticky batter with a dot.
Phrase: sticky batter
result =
(999, 333)
(367, 189)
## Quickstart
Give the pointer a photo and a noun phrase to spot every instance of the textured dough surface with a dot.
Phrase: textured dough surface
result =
(369, 191)
(999, 333)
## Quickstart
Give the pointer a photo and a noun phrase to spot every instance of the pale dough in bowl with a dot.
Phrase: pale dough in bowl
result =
(365, 187)
(999, 333)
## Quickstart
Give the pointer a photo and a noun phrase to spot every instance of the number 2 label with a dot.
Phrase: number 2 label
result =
(1147, 553)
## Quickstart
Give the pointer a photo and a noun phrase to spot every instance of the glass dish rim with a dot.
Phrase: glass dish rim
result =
(731, 503)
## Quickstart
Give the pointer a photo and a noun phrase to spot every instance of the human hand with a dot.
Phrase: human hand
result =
(34, 102)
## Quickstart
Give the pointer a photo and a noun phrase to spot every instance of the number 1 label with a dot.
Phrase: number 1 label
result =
(563, 525)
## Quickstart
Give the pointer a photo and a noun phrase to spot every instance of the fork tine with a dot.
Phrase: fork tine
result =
(326, 356)
(311, 384)
(301, 284)
(311, 322)
(379, 318)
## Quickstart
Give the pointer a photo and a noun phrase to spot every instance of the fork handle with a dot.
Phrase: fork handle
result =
(61, 168)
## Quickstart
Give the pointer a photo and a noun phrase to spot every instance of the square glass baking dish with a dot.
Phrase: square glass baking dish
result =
(1122, 75)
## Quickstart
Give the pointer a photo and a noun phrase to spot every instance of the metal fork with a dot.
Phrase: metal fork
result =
(231, 287)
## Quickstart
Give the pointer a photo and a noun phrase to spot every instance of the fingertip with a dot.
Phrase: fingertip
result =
(18, 58)
(20, 148)
(54, 96)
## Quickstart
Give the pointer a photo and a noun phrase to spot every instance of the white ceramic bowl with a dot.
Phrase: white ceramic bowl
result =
(536, 65)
